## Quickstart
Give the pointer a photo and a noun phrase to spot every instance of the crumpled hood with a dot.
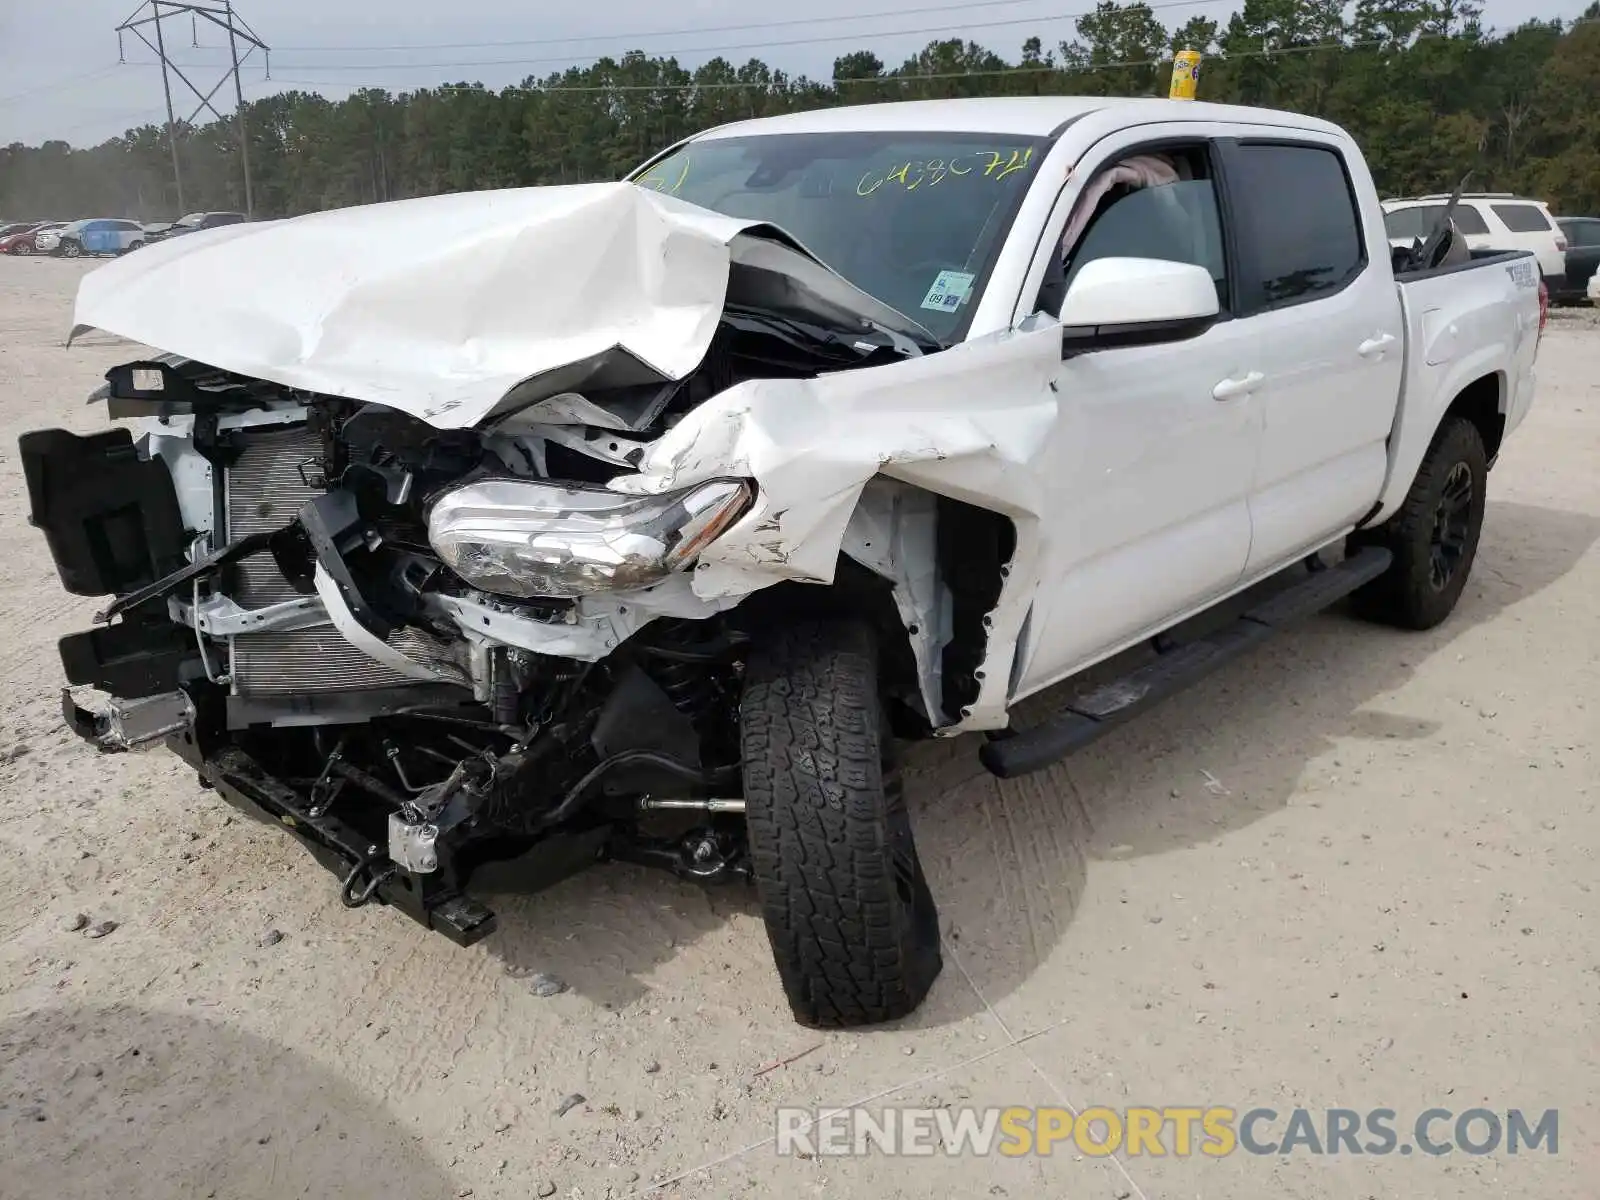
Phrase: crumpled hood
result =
(441, 306)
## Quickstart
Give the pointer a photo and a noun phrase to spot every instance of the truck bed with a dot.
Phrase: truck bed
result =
(1463, 324)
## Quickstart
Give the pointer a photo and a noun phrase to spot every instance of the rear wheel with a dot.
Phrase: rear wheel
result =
(22, 248)
(1434, 536)
(848, 911)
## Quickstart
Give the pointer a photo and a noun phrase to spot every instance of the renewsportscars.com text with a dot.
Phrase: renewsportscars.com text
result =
(1158, 1132)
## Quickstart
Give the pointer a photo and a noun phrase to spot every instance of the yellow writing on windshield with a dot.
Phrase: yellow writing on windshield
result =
(913, 174)
(657, 182)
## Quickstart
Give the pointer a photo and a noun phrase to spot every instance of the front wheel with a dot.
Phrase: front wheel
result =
(71, 250)
(851, 919)
(1434, 536)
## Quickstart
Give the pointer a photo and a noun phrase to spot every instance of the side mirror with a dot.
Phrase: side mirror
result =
(1136, 302)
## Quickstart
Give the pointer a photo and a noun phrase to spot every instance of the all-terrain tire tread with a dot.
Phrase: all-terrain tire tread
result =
(850, 949)
(1402, 595)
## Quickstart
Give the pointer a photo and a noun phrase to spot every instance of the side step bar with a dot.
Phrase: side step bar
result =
(1087, 717)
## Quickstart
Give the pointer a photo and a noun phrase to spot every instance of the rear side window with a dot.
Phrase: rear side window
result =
(1581, 233)
(1523, 218)
(1417, 221)
(1304, 233)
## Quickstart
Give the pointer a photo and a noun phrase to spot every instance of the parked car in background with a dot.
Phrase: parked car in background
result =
(194, 222)
(153, 230)
(12, 227)
(1583, 257)
(40, 239)
(1489, 221)
(100, 235)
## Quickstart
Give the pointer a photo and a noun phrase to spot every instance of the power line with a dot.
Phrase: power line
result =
(901, 80)
(701, 29)
(60, 83)
(568, 59)
(1010, 72)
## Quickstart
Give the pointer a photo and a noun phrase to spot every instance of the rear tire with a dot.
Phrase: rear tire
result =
(1434, 536)
(852, 922)
(23, 249)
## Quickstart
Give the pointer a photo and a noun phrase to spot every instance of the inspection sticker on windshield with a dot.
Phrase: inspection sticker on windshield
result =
(948, 291)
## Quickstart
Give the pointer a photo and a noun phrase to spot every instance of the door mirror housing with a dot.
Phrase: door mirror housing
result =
(1136, 302)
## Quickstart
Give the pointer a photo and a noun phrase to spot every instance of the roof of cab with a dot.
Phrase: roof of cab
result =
(1024, 116)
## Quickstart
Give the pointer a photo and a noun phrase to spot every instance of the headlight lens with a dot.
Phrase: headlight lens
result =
(515, 537)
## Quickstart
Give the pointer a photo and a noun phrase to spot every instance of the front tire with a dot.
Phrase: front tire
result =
(852, 922)
(71, 250)
(1434, 536)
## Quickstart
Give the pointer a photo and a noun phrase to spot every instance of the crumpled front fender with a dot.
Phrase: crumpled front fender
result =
(971, 423)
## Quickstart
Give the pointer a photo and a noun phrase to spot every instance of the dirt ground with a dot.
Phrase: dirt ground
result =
(1355, 870)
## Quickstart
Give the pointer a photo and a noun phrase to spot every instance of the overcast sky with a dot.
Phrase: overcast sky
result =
(60, 78)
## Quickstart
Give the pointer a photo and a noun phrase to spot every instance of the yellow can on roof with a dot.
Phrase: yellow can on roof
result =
(1185, 74)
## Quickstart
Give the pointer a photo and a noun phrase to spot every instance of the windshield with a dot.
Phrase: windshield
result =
(914, 219)
(190, 219)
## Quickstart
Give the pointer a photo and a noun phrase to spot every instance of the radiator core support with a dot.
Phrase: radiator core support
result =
(276, 671)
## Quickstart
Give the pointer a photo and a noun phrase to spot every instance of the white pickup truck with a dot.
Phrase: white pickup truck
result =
(475, 538)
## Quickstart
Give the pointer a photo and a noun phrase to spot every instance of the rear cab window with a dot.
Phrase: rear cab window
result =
(1300, 230)
(1523, 218)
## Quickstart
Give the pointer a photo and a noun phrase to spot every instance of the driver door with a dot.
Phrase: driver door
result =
(1155, 447)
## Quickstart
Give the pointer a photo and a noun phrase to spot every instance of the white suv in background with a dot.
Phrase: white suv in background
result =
(1490, 221)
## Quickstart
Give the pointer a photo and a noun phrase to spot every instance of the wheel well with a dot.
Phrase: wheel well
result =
(856, 594)
(975, 547)
(1479, 402)
(972, 548)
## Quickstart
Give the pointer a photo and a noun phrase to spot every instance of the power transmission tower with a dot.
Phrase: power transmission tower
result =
(220, 14)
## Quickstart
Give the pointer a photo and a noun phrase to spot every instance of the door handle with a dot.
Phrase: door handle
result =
(1232, 389)
(1374, 347)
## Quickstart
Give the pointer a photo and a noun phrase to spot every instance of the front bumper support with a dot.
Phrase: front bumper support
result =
(432, 900)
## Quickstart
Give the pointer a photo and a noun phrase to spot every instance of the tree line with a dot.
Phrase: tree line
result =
(1430, 94)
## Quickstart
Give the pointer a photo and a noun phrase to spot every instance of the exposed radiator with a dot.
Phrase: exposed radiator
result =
(264, 492)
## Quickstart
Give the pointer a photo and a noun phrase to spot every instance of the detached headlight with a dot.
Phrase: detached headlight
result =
(514, 537)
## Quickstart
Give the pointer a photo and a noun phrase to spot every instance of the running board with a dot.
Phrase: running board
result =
(1088, 717)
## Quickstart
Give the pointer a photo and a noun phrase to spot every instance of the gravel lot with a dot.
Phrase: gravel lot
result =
(1355, 870)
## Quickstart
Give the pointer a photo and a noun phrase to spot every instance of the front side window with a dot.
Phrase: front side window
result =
(1174, 219)
(913, 219)
(1303, 231)
(1523, 218)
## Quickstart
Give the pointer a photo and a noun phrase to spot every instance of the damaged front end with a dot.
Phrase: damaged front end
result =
(492, 629)
(427, 653)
